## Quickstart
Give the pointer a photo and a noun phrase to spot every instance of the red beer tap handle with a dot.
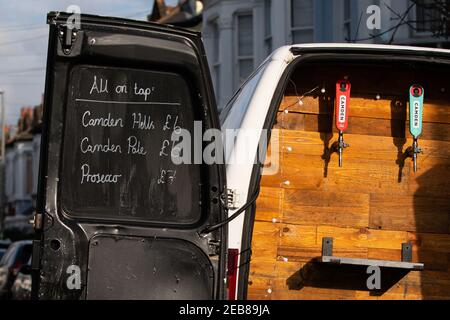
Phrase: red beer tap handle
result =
(343, 89)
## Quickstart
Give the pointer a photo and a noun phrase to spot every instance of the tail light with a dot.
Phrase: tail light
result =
(15, 268)
(233, 260)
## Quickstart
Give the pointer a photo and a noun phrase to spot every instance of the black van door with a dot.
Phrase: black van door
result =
(116, 217)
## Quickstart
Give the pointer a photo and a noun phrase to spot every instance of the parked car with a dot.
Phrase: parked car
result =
(2, 252)
(21, 289)
(16, 256)
(4, 244)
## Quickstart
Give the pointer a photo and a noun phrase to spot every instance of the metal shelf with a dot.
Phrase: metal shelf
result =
(405, 264)
(376, 263)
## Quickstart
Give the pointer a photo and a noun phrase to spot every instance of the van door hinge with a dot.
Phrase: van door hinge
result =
(230, 199)
(67, 37)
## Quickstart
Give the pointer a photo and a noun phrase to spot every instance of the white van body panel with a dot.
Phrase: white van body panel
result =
(239, 175)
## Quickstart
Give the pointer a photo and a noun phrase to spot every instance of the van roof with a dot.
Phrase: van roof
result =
(374, 47)
(284, 52)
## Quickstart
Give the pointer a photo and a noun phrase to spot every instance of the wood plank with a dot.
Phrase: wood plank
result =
(364, 126)
(258, 288)
(285, 269)
(435, 261)
(310, 253)
(265, 239)
(363, 237)
(281, 291)
(363, 175)
(428, 241)
(370, 173)
(269, 205)
(272, 181)
(294, 235)
(409, 213)
(361, 146)
(428, 276)
(422, 287)
(419, 286)
(262, 268)
(432, 179)
(434, 111)
(330, 208)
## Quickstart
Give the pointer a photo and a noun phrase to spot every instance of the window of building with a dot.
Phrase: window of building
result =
(14, 176)
(347, 20)
(429, 15)
(302, 21)
(216, 57)
(244, 47)
(9, 172)
(29, 174)
(268, 26)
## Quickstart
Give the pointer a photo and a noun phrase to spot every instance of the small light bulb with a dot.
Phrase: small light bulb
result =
(286, 111)
(378, 97)
(323, 90)
(300, 102)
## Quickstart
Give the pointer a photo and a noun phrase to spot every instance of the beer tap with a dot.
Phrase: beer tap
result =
(343, 89)
(416, 98)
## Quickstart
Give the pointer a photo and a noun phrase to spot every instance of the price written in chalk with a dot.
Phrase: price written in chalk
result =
(115, 124)
(124, 124)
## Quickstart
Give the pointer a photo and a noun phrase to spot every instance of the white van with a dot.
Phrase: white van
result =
(117, 219)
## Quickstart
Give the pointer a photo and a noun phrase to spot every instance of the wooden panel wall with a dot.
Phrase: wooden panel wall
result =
(370, 206)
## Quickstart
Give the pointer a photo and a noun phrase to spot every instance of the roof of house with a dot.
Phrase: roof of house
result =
(182, 15)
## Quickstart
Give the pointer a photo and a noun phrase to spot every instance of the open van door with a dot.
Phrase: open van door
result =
(116, 217)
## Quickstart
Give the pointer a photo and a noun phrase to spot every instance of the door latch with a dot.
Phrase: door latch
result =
(230, 199)
(67, 37)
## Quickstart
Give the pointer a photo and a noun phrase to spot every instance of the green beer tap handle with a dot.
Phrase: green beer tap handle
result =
(416, 98)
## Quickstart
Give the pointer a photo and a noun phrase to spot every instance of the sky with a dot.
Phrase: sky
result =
(24, 40)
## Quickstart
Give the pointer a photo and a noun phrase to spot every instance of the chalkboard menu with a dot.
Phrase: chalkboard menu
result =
(117, 147)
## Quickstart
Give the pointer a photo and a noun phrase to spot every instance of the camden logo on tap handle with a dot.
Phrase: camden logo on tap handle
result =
(343, 89)
(416, 97)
